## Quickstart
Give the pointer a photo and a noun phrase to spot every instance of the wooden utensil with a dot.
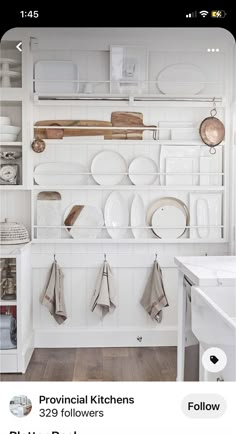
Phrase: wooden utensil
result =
(43, 133)
(128, 119)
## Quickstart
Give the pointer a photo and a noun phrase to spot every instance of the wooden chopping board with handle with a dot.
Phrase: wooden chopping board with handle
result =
(128, 119)
(59, 133)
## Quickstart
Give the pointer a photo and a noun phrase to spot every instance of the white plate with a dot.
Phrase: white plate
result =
(181, 79)
(165, 212)
(202, 211)
(116, 215)
(49, 214)
(8, 137)
(168, 222)
(210, 163)
(60, 174)
(184, 166)
(108, 168)
(179, 151)
(89, 222)
(186, 132)
(138, 218)
(56, 76)
(143, 171)
(199, 215)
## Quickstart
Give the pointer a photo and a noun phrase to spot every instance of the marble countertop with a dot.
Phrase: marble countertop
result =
(12, 249)
(208, 270)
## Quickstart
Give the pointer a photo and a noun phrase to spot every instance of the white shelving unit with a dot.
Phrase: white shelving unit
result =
(130, 258)
(17, 359)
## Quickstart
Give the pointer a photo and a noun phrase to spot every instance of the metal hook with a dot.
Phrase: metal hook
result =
(54, 257)
(213, 112)
(105, 257)
(155, 257)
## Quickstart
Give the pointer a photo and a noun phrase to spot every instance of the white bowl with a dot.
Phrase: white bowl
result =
(4, 120)
(8, 137)
(9, 129)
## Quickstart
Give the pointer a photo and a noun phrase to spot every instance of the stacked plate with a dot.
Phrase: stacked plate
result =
(6, 74)
(168, 217)
(8, 133)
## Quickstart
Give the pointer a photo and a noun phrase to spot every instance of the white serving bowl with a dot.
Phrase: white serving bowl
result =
(4, 120)
(9, 129)
(8, 137)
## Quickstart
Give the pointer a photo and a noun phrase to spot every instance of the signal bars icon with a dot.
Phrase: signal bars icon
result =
(192, 15)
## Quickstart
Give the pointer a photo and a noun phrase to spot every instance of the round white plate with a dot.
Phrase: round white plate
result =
(167, 213)
(143, 171)
(116, 215)
(108, 168)
(137, 218)
(60, 174)
(89, 222)
(181, 79)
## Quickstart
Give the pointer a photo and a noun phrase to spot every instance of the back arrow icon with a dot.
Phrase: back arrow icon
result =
(19, 46)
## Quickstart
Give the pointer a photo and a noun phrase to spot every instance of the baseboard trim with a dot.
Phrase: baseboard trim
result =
(81, 338)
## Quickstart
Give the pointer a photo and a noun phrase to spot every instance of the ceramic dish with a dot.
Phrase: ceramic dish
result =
(179, 171)
(210, 163)
(179, 152)
(56, 76)
(9, 129)
(86, 221)
(8, 137)
(170, 216)
(60, 174)
(143, 171)
(108, 168)
(181, 79)
(116, 215)
(138, 218)
(205, 209)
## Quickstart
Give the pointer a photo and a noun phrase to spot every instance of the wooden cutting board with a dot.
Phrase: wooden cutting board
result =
(128, 119)
(43, 133)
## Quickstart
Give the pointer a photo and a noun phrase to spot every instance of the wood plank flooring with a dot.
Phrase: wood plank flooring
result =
(99, 364)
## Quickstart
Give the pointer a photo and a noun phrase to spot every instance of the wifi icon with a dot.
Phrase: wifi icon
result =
(203, 13)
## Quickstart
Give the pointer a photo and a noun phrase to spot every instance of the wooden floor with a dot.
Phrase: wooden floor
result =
(100, 364)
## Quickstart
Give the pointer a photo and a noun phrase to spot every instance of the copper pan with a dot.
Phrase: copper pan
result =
(212, 131)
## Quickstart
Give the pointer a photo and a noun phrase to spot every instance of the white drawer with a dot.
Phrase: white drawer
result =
(8, 363)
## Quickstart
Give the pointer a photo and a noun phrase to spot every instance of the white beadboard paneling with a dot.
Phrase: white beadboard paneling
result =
(78, 297)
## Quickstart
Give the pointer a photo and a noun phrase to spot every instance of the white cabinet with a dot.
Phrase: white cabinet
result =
(16, 300)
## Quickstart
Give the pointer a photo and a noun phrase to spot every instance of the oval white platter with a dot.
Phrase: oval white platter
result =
(138, 218)
(143, 171)
(89, 222)
(60, 174)
(108, 168)
(181, 79)
(166, 214)
(116, 215)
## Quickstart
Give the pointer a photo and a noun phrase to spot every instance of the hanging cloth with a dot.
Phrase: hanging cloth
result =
(53, 295)
(154, 298)
(104, 296)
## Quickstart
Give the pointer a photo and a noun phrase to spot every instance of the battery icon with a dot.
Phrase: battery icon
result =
(218, 14)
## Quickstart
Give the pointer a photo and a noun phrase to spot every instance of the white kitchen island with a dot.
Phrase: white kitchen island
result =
(201, 271)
